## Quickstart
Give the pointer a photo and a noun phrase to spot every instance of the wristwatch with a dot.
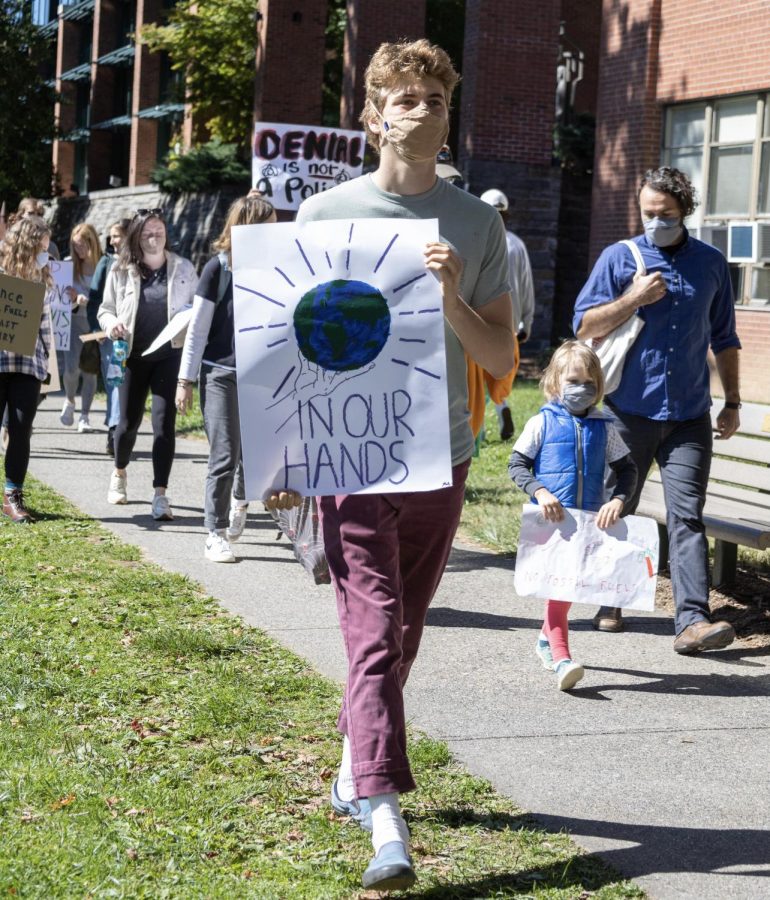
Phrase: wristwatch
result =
(729, 405)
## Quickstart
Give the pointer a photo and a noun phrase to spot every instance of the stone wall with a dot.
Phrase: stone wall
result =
(193, 220)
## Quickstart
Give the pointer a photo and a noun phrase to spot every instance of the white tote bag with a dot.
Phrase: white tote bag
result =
(613, 347)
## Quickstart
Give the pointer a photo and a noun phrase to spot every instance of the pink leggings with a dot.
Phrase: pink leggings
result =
(556, 629)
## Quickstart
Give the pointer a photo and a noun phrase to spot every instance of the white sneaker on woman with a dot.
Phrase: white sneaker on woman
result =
(217, 548)
(237, 522)
(117, 492)
(67, 415)
(84, 426)
(161, 508)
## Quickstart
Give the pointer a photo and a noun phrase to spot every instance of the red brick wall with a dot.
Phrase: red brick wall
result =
(509, 80)
(144, 132)
(754, 332)
(369, 25)
(628, 130)
(64, 110)
(291, 49)
(583, 27)
(709, 48)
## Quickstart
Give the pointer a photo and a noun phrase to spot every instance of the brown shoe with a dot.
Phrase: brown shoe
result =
(609, 618)
(704, 636)
(14, 508)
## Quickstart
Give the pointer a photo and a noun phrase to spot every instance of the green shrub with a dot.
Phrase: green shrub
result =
(201, 168)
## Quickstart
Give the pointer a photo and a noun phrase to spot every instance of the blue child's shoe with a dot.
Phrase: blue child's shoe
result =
(543, 650)
(358, 810)
(391, 869)
(568, 673)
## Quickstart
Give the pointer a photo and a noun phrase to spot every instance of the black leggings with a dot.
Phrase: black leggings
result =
(18, 396)
(143, 376)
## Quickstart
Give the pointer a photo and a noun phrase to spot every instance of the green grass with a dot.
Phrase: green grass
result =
(151, 745)
(492, 512)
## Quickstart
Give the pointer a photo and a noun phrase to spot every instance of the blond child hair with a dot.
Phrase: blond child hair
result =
(550, 383)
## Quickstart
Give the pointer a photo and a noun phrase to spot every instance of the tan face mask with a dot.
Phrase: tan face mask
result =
(417, 135)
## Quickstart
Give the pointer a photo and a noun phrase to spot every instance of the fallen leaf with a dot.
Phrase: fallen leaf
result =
(131, 853)
(63, 801)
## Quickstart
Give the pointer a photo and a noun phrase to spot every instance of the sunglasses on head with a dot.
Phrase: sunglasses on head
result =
(148, 212)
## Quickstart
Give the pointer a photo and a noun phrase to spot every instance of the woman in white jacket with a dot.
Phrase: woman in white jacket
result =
(145, 289)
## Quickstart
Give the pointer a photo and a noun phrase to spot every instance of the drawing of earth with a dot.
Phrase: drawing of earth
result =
(342, 325)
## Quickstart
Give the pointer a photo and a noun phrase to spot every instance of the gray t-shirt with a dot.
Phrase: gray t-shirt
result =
(472, 228)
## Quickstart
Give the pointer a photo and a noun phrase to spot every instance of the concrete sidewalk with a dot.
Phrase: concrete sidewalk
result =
(658, 762)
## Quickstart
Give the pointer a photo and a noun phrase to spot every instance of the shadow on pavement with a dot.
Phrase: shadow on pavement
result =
(709, 684)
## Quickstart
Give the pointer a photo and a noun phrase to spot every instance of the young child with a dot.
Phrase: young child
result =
(560, 459)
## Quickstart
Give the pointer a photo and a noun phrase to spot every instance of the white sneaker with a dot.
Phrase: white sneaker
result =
(217, 548)
(84, 426)
(237, 522)
(117, 492)
(568, 673)
(67, 416)
(161, 508)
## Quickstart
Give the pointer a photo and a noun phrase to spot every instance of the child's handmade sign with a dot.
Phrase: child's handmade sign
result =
(293, 162)
(61, 306)
(339, 335)
(575, 561)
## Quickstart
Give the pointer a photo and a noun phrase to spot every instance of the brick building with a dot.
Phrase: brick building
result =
(687, 83)
(684, 82)
(120, 104)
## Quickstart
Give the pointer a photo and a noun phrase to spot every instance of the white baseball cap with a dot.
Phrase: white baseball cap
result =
(495, 198)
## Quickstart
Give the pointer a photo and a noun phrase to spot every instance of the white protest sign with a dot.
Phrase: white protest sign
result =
(61, 307)
(339, 336)
(576, 561)
(292, 162)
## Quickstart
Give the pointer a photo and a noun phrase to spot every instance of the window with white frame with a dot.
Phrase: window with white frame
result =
(723, 145)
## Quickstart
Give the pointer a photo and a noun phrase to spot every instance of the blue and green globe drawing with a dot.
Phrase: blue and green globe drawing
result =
(342, 325)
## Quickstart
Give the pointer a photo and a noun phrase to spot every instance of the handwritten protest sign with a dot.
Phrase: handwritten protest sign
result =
(61, 307)
(292, 162)
(21, 305)
(339, 335)
(576, 561)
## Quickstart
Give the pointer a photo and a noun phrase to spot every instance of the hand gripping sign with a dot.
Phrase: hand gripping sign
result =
(575, 561)
(339, 335)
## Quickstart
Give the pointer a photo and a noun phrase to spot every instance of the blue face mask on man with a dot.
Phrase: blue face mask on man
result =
(663, 232)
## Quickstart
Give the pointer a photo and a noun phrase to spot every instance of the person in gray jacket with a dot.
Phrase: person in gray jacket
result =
(147, 287)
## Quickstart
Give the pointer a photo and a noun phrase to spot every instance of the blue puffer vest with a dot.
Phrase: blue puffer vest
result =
(571, 458)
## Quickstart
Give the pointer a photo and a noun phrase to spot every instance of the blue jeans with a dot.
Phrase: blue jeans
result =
(112, 415)
(682, 451)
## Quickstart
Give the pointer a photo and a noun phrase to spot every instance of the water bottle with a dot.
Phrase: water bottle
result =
(116, 369)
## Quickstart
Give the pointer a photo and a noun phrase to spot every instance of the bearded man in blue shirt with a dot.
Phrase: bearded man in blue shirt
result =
(662, 404)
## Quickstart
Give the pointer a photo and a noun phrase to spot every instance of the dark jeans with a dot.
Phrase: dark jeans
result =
(18, 397)
(219, 403)
(142, 377)
(386, 553)
(682, 451)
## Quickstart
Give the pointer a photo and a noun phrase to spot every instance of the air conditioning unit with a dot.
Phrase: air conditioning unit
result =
(716, 235)
(763, 242)
(742, 242)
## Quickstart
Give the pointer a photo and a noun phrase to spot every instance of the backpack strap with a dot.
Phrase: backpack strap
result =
(641, 269)
(225, 277)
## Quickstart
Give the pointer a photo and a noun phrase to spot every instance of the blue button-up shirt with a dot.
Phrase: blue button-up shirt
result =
(666, 375)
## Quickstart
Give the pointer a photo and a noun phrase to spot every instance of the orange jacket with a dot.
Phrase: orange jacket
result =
(479, 382)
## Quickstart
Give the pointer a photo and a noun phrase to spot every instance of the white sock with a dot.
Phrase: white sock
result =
(387, 822)
(346, 788)
(239, 504)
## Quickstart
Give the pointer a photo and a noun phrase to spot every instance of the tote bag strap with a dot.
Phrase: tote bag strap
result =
(641, 269)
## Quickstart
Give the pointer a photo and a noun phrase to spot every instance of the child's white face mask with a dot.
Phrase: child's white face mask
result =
(577, 398)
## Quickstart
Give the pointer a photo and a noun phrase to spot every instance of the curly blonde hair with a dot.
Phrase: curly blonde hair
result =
(87, 233)
(18, 256)
(550, 383)
(393, 64)
(248, 210)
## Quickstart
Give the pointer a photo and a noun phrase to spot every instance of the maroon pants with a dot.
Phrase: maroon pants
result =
(387, 553)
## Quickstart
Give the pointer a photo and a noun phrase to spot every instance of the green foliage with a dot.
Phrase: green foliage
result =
(27, 110)
(333, 69)
(574, 144)
(214, 44)
(202, 168)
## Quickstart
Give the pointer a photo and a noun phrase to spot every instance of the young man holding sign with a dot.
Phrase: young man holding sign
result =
(387, 552)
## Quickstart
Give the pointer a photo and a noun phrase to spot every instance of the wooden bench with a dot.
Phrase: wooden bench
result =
(737, 507)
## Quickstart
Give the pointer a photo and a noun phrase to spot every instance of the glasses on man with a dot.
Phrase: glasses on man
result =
(149, 212)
